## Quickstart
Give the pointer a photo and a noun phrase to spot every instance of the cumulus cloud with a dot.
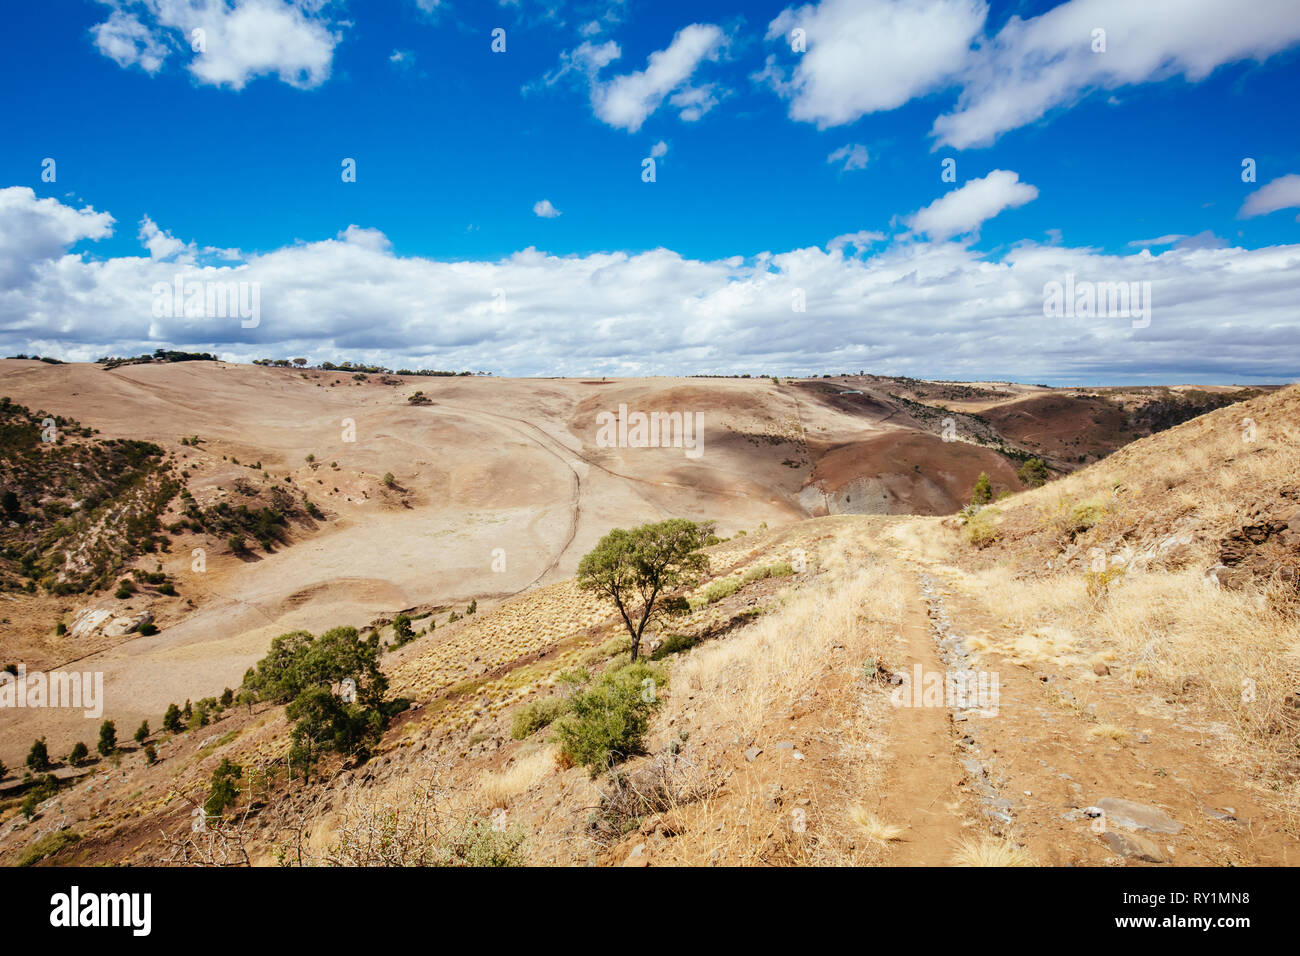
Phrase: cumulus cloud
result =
(865, 57)
(625, 101)
(128, 42)
(35, 232)
(911, 306)
(1033, 65)
(241, 39)
(545, 209)
(852, 156)
(659, 150)
(1281, 193)
(965, 209)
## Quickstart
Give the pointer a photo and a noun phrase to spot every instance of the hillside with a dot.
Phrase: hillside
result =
(1140, 615)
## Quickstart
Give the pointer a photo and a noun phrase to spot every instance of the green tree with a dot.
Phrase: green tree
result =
(636, 568)
(38, 758)
(172, 719)
(79, 754)
(982, 494)
(142, 732)
(402, 629)
(1033, 472)
(107, 737)
(223, 792)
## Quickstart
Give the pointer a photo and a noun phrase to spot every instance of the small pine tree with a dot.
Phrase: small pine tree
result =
(79, 753)
(107, 737)
(172, 719)
(983, 491)
(38, 758)
(142, 732)
(150, 754)
(473, 606)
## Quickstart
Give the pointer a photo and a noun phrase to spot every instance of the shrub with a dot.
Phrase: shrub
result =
(142, 732)
(982, 493)
(47, 846)
(150, 754)
(223, 792)
(1098, 583)
(1033, 472)
(981, 531)
(79, 754)
(479, 843)
(675, 644)
(608, 722)
(389, 480)
(536, 714)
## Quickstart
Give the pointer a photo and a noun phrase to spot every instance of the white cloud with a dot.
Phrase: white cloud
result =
(627, 100)
(864, 57)
(1281, 193)
(965, 209)
(860, 241)
(853, 156)
(401, 58)
(1168, 240)
(242, 39)
(161, 244)
(925, 308)
(35, 232)
(659, 150)
(544, 209)
(128, 42)
(1032, 66)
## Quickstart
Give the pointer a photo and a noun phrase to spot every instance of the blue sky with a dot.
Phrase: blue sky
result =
(238, 147)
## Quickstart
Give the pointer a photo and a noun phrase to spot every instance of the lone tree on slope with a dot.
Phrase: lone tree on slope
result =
(640, 566)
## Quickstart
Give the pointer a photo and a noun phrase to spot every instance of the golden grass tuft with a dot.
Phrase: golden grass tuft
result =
(989, 850)
(875, 828)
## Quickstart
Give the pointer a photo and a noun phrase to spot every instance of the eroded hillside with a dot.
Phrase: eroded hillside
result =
(1139, 617)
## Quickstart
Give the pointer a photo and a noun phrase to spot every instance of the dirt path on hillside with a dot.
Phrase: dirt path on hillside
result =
(924, 775)
(1086, 771)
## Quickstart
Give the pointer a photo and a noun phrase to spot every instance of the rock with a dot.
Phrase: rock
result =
(752, 754)
(638, 856)
(1100, 669)
(1132, 846)
(773, 799)
(122, 626)
(1131, 815)
(1225, 815)
(784, 745)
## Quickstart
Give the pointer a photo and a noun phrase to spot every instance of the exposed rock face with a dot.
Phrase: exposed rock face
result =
(101, 620)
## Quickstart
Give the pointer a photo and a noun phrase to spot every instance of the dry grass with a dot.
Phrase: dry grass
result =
(745, 681)
(875, 828)
(989, 851)
(498, 789)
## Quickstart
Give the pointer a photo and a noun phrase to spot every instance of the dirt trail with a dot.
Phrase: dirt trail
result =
(924, 775)
(1044, 762)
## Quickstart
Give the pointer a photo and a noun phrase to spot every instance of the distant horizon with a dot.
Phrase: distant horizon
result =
(392, 369)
